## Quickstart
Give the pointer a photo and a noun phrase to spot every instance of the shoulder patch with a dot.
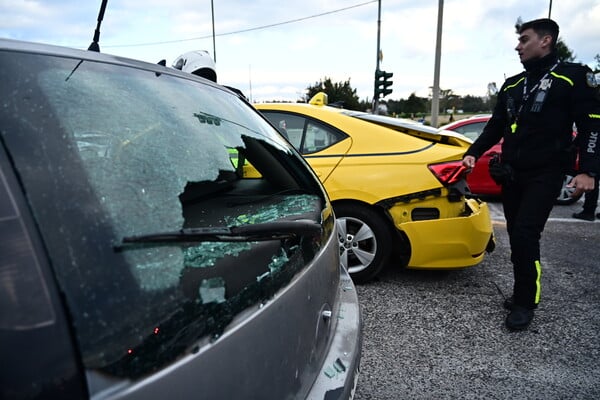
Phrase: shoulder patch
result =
(591, 80)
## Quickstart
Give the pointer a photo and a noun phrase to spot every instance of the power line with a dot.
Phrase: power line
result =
(244, 30)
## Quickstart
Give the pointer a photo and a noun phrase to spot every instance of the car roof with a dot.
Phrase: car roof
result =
(398, 122)
(400, 125)
(468, 120)
(87, 55)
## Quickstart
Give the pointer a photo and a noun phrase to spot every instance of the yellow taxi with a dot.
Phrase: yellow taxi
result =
(398, 187)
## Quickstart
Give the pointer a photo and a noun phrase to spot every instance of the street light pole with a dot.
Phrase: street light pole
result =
(212, 10)
(435, 99)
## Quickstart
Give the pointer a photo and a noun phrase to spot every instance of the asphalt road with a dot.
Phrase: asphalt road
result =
(441, 335)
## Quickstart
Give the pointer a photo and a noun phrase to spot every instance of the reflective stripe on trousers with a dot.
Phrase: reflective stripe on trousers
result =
(527, 203)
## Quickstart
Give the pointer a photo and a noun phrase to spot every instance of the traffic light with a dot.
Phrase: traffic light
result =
(382, 82)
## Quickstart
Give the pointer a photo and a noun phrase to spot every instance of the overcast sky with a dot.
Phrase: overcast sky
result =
(274, 50)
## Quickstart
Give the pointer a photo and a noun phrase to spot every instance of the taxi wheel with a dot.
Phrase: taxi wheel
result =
(564, 198)
(365, 240)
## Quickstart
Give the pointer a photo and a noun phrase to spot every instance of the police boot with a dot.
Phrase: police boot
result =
(586, 216)
(519, 318)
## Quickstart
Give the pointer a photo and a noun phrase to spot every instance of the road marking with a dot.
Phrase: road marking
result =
(497, 215)
(572, 220)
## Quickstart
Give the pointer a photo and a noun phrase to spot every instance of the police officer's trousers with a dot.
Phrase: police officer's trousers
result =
(528, 200)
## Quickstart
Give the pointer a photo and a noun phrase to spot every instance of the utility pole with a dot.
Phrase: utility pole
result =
(212, 10)
(435, 97)
(550, 10)
(375, 94)
(382, 78)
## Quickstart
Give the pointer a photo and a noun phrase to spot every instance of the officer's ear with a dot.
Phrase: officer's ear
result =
(546, 41)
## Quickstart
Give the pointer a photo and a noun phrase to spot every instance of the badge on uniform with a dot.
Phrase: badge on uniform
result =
(590, 77)
(545, 84)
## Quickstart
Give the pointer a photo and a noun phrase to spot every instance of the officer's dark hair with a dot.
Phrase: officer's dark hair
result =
(542, 27)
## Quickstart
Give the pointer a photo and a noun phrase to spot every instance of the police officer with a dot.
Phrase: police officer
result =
(590, 203)
(534, 114)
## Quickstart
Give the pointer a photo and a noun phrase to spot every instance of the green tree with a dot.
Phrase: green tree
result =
(448, 100)
(564, 52)
(337, 92)
(395, 107)
(415, 105)
(597, 58)
(472, 104)
(365, 104)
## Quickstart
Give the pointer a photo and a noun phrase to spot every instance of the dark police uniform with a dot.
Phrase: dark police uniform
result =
(534, 115)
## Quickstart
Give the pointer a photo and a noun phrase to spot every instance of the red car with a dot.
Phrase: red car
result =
(479, 180)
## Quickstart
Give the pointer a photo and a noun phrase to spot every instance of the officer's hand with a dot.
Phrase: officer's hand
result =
(469, 162)
(582, 183)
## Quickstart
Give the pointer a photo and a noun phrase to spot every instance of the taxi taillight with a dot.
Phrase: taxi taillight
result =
(449, 173)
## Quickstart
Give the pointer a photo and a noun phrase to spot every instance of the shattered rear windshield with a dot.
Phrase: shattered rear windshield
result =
(106, 152)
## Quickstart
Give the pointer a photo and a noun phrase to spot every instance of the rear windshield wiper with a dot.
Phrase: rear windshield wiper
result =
(242, 233)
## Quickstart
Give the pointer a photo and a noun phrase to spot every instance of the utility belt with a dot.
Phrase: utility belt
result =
(501, 173)
(504, 174)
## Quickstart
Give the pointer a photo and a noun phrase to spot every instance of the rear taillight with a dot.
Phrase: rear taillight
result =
(449, 173)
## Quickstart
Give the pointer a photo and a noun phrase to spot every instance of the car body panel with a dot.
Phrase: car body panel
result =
(479, 180)
(414, 129)
(389, 174)
(33, 321)
(385, 167)
(329, 159)
(236, 363)
(390, 159)
(437, 244)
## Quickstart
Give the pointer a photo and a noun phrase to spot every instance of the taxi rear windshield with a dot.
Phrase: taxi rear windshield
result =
(138, 181)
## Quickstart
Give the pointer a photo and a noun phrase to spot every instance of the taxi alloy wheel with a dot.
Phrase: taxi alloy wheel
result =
(364, 238)
(564, 198)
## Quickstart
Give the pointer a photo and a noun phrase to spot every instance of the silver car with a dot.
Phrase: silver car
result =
(137, 261)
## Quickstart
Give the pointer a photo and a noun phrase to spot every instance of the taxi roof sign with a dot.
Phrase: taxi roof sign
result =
(319, 99)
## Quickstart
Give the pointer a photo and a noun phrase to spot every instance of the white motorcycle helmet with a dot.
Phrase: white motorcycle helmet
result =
(197, 62)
